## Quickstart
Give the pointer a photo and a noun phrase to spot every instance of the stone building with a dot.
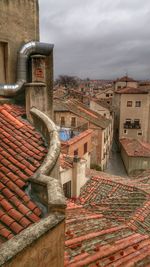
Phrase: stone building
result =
(106, 96)
(102, 108)
(123, 82)
(80, 145)
(135, 155)
(73, 114)
(32, 204)
(134, 113)
(19, 23)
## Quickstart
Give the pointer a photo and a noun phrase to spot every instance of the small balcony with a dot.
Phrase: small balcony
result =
(133, 125)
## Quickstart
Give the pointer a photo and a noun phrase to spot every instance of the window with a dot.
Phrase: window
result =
(128, 121)
(3, 61)
(137, 121)
(67, 189)
(125, 131)
(76, 152)
(139, 133)
(129, 103)
(137, 124)
(73, 122)
(138, 103)
(108, 102)
(127, 124)
(62, 121)
(85, 148)
(107, 95)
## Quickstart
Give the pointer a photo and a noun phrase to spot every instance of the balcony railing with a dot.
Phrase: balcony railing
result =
(132, 125)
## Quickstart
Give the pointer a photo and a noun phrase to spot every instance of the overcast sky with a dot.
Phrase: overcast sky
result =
(98, 38)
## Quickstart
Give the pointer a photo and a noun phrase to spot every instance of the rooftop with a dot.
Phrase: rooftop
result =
(135, 148)
(66, 162)
(81, 110)
(125, 79)
(108, 225)
(22, 150)
(131, 90)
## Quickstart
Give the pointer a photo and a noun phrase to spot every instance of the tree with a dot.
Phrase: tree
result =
(67, 81)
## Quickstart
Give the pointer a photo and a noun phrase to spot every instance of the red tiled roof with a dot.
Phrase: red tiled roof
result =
(22, 151)
(66, 162)
(95, 234)
(135, 148)
(131, 90)
(125, 79)
(79, 109)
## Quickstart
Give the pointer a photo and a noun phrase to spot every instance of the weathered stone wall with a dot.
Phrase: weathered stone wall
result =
(46, 251)
(19, 23)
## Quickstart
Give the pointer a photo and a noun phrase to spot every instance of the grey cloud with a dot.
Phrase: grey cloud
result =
(98, 39)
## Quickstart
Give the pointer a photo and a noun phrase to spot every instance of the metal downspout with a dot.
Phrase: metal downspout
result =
(25, 52)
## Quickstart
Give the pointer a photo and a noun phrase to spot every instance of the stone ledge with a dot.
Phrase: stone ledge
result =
(53, 140)
(55, 197)
(11, 248)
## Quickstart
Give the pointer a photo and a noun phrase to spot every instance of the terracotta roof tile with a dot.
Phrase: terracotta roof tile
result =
(131, 90)
(96, 235)
(22, 151)
(82, 111)
(125, 79)
(135, 148)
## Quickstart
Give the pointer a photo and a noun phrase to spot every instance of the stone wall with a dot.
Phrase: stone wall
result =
(19, 23)
(48, 250)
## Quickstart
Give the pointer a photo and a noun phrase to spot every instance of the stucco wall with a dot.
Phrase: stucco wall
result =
(45, 252)
(19, 23)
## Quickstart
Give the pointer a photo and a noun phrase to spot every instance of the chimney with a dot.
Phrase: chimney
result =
(78, 175)
(39, 91)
